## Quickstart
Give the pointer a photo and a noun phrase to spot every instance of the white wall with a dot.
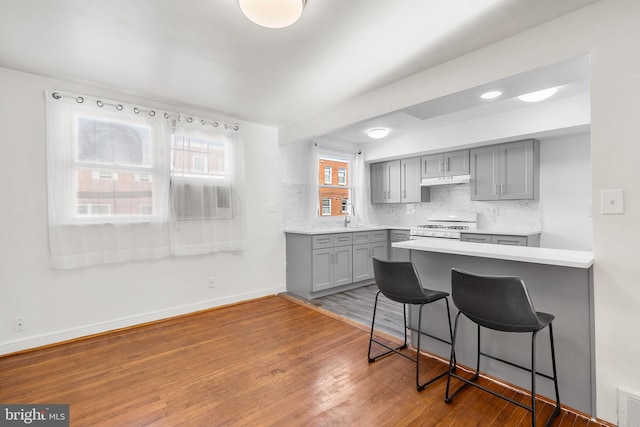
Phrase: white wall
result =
(609, 32)
(565, 193)
(60, 305)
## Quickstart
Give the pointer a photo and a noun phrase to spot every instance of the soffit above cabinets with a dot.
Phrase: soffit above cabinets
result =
(571, 77)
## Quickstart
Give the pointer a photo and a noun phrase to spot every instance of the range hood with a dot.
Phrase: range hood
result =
(445, 180)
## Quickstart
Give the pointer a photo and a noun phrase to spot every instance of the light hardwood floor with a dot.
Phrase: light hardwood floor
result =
(264, 362)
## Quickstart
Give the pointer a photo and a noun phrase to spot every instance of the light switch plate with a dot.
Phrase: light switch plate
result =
(612, 202)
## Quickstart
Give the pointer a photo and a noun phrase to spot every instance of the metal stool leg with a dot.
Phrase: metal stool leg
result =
(372, 340)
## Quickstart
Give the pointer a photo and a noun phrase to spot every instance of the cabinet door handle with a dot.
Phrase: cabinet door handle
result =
(404, 179)
(502, 188)
(447, 165)
(441, 166)
(496, 190)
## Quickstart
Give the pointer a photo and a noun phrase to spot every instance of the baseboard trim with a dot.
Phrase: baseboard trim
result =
(57, 337)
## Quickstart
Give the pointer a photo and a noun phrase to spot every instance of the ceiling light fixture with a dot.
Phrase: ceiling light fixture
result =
(539, 95)
(378, 133)
(491, 94)
(272, 13)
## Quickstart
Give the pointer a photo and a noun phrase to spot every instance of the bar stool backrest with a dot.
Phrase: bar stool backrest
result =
(496, 302)
(398, 281)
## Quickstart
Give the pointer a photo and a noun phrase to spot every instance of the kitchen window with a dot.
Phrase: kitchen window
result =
(334, 190)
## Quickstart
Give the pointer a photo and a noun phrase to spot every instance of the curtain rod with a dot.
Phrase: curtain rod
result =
(137, 110)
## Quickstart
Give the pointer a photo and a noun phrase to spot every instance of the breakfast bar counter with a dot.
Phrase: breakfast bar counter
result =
(559, 282)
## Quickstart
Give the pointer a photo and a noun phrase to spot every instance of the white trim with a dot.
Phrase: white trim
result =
(124, 322)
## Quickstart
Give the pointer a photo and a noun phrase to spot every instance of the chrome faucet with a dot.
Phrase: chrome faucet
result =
(347, 220)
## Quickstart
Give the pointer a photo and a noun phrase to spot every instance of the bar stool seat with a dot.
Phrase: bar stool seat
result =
(399, 281)
(501, 303)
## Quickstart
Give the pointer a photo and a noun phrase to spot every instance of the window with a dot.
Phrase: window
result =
(199, 164)
(91, 209)
(334, 198)
(109, 155)
(342, 176)
(327, 174)
(199, 191)
(109, 176)
(326, 207)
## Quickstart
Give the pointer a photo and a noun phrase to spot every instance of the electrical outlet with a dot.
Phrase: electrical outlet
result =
(19, 324)
(212, 282)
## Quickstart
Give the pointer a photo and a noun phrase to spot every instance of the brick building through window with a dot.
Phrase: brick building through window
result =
(333, 186)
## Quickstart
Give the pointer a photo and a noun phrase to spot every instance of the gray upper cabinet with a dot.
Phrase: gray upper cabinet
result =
(397, 181)
(410, 191)
(385, 182)
(505, 171)
(451, 163)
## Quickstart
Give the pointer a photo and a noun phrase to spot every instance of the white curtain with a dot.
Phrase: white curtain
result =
(207, 181)
(107, 175)
(361, 196)
(130, 183)
(311, 211)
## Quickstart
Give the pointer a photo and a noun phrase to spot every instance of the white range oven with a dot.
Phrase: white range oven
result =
(445, 225)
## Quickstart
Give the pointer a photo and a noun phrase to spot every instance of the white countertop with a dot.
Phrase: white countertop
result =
(560, 257)
(500, 231)
(334, 230)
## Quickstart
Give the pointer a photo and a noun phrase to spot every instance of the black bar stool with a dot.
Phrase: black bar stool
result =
(399, 281)
(500, 303)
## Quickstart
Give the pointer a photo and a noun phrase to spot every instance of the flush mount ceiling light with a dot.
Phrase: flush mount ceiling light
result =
(491, 94)
(540, 95)
(378, 133)
(272, 13)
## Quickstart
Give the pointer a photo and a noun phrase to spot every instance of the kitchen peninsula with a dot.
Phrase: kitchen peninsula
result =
(559, 282)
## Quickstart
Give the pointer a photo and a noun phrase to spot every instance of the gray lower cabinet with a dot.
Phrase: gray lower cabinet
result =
(505, 171)
(398, 254)
(322, 264)
(502, 239)
(332, 267)
(366, 245)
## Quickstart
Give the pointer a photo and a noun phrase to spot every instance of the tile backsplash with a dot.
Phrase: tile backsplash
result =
(517, 215)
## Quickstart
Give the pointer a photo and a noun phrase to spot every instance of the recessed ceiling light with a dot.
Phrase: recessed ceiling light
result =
(378, 133)
(540, 95)
(491, 94)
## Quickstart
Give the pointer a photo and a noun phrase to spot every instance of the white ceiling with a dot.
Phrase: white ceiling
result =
(206, 54)
(570, 77)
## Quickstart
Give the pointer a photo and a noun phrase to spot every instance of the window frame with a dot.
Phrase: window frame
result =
(219, 193)
(340, 156)
(117, 170)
